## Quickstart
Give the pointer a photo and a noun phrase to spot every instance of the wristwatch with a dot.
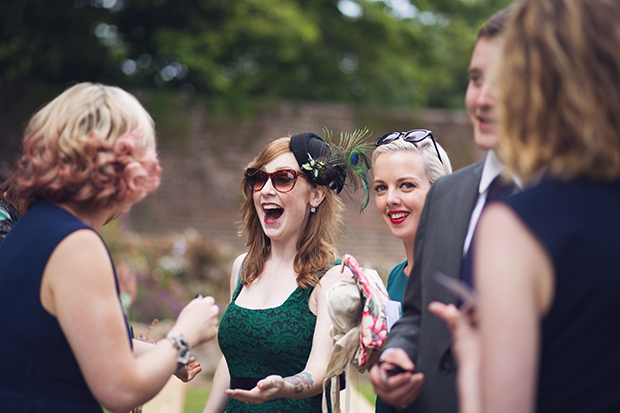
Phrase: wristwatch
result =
(180, 343)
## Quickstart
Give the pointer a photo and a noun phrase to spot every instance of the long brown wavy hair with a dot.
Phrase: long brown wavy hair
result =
(559, 84)
(317, 246)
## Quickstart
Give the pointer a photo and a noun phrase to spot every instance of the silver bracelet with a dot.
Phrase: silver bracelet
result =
(180, 343)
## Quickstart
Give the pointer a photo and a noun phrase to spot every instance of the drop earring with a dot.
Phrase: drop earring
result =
(313, 209)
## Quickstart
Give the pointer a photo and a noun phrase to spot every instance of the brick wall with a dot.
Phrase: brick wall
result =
(200, 182)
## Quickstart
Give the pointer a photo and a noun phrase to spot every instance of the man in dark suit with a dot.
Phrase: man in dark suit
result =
(420, 342)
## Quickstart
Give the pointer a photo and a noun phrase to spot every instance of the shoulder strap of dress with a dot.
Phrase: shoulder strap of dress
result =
(308, 291)
(239, 284)
(329, 267)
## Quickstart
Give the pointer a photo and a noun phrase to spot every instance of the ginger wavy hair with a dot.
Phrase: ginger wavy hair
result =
(317, 246)
(93, 145)
(559, 99)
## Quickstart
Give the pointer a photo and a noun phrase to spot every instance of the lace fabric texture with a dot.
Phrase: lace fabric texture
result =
(259, 343)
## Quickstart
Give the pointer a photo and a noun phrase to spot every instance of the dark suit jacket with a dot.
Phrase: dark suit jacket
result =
(438, 247)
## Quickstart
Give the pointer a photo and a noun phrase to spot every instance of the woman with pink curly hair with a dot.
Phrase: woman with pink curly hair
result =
(88, 156)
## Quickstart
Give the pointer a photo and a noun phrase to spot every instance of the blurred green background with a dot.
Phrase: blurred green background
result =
(389, 52)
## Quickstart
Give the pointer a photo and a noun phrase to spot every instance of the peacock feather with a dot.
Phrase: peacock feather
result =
(350, 155)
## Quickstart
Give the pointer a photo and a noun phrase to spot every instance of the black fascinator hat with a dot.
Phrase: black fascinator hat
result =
(336, 166)
(313, 156)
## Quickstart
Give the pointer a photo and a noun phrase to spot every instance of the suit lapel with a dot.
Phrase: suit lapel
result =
(466, 199)
(456, 209)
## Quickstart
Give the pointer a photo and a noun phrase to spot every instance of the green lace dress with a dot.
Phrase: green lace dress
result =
(259, 343)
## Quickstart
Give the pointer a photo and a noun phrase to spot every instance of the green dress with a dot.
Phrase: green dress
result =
(259, 343)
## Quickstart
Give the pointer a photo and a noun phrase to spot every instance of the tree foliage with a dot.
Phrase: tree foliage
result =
(381, 52)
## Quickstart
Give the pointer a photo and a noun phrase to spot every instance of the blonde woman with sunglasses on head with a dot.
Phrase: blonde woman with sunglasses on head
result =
(405, 165)
(275, 332)
(420, 341)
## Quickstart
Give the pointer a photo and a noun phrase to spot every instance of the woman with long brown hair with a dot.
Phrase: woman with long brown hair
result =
(275, 332)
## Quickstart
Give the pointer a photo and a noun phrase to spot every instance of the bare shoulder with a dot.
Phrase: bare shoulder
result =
(317, 302)
(88, 236)
(237, 265)
(503, 230)
(81, 247)
(80, 266)
(499, 214)
(515, 258)
(234, 273)
(333, 275)
(501, 233)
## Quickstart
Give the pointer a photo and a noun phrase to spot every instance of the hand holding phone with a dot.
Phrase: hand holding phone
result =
(457, 287)
(389, 369)
(463, 291)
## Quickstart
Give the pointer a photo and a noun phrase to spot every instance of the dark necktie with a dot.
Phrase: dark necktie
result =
(497, 189)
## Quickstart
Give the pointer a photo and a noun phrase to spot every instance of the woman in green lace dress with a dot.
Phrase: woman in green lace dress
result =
(275, 332)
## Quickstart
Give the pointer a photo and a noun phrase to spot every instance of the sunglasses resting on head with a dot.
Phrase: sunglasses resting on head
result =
(412, 136)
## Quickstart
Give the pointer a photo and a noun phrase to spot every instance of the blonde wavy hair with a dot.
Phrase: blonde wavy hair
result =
(317, 246)
(559, 97)
(93, 145)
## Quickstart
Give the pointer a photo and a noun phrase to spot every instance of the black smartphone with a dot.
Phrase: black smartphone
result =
(457, 287)
(394, 370)
(391, 369)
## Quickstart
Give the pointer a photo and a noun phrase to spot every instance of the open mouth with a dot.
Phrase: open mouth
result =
(398, 216)
(272, 213)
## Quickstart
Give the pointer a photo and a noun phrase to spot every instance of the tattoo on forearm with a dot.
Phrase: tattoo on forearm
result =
(300, 380)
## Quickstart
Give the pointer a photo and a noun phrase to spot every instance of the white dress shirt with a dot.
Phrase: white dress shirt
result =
(491, 169)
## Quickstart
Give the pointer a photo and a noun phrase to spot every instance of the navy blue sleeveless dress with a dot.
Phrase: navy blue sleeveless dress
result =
(38, 371)
(578, 222)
